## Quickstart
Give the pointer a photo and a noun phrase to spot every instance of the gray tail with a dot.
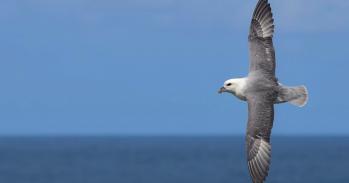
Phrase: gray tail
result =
(297, 96)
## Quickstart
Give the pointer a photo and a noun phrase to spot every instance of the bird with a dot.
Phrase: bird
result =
(262, 90)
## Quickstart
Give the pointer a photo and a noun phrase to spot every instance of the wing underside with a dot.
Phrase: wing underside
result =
(260, 123)
(262, 54)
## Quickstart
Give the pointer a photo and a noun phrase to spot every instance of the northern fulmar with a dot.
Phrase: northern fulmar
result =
(262, 90)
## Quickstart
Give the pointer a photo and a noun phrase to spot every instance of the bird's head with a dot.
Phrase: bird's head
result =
(230, 86)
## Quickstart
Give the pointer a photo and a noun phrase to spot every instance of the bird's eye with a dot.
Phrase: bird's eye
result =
(229, 84)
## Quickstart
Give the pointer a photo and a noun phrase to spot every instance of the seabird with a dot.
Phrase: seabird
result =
(262, 90)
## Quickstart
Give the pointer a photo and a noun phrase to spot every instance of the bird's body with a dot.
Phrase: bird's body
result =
(241, 86)
(261, 90)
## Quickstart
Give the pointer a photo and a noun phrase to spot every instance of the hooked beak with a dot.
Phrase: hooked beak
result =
(221, 90)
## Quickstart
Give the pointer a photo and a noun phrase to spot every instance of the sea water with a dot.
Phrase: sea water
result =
(168, 160)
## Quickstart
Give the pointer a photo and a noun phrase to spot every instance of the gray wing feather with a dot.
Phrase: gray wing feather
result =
(260, 123)
(261, 94)
(262, 54)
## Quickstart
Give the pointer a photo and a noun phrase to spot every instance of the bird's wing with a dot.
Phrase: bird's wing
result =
(262, 54)
(260, 123)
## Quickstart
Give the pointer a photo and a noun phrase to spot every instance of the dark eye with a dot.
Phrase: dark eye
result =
(229, 84)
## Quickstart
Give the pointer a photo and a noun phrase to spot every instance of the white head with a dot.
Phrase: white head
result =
(234, 86)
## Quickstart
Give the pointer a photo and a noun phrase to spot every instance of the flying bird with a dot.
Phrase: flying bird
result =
(261, 89)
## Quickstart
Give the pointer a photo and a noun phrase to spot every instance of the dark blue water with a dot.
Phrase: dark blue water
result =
(167, 160)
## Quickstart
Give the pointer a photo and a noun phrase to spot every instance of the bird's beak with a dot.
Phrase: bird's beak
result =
(221, 90)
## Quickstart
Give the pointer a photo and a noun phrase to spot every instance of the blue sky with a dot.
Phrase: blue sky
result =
(154, 67)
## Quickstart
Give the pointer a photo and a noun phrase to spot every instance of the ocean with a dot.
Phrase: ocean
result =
(168, 160)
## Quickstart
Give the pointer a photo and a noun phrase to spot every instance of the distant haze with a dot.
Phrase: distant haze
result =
(154, 67)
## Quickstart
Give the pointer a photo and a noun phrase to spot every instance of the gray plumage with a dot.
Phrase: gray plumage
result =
(261, 92)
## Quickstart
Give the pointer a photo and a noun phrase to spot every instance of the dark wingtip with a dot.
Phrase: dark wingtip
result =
(263, 17)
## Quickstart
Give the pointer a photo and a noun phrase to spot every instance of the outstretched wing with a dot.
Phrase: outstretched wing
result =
(262, 54)
(260, 123)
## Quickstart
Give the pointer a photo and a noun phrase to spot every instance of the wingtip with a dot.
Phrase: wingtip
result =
(259, 164)
(264, 16)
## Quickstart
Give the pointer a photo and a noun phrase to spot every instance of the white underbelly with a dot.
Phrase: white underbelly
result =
(241, 97)
(240, 93)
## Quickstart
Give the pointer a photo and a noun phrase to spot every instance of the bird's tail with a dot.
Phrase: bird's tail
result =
(297, 96)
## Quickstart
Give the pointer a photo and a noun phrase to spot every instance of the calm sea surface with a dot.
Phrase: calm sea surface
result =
(167, 160)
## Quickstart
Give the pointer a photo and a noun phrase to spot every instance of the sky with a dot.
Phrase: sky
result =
(136, 67)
